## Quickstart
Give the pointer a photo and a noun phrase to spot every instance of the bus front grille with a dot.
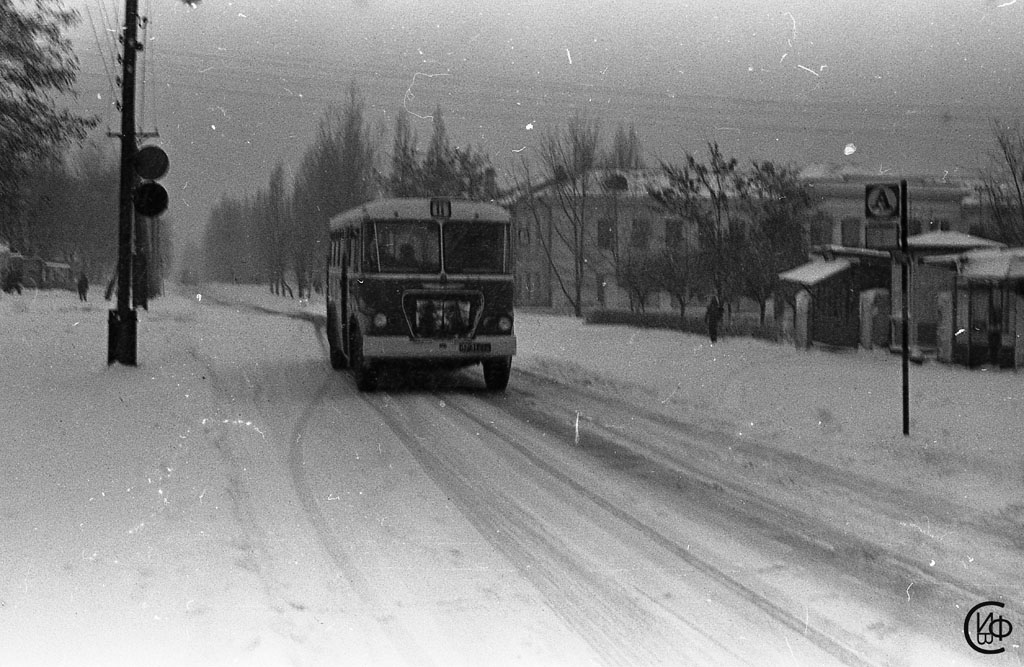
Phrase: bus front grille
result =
(448, 315)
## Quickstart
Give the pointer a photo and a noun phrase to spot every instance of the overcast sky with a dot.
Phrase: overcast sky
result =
(234, 87)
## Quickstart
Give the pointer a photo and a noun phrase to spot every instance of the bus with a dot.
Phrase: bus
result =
(421, 281)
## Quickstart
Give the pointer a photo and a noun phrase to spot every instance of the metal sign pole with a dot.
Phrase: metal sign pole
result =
(904, 290)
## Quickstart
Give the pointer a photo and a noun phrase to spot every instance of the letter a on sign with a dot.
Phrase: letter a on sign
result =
(882, 201)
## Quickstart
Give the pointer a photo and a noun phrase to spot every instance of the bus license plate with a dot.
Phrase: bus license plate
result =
(474, 347)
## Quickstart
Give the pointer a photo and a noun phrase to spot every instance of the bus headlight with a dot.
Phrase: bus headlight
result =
(505, 323)
(380, 320)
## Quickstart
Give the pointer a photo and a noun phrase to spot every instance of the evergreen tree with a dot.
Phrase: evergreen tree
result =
(439, 171)
(404, 180)
(445, 171)
(626, 153)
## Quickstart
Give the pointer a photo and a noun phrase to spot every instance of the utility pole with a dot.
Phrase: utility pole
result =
(122, 323)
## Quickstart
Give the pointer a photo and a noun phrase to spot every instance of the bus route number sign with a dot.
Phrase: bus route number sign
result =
(440, 208)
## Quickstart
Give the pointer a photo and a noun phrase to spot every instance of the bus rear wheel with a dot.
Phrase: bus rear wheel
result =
(363, 372)
(496, 373)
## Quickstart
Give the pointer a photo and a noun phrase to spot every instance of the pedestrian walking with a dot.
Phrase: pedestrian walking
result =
(713, 316)
(83, 287)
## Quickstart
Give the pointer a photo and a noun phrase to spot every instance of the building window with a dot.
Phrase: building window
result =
(640, 237)
(524, 236)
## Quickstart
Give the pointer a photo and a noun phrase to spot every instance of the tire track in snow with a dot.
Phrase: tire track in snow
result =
(686, 446)
(672, 450)
(401, 639)
(833, 640)
(623, 624)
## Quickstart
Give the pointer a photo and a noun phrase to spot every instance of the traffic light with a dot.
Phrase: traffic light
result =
(149, 197)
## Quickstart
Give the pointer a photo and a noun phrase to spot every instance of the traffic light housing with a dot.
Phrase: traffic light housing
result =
(149, 197)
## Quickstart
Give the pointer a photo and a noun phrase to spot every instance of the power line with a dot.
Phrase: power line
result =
(103, 59)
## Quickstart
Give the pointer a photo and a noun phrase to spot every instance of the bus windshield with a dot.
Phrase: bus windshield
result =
(475, 247)
(403, 246)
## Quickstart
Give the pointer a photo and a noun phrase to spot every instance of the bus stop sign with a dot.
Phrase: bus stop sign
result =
(882, 201)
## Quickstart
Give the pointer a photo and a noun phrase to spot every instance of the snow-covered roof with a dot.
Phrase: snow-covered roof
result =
(1005, 266)
(999, 264)
(813, 273)
(950, 240)
(984, 263)
(835, 250)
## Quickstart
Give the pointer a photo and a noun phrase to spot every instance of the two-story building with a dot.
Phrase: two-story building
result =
(588, 232)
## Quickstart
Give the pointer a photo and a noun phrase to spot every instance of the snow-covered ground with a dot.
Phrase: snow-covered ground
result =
(119, 546)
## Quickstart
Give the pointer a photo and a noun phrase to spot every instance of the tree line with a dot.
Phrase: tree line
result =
(281, 229)
(38, 181)
(745, 217)
(58, 191)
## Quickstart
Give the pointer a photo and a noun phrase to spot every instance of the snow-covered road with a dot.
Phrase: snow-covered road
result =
(234, 500)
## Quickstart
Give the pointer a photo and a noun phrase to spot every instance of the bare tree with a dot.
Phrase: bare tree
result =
(675, 269)
(337, 172)
(1003, 186)
(568, 156)
(706, 194)
(780, 211)
(68, 209)
(273, 208)
(639, 275)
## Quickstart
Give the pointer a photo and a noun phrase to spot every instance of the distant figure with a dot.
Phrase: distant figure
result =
(713, 316)
(83, 287)
(111, 286)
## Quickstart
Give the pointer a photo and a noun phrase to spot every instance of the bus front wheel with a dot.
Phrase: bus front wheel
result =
(496, 372)
(364, 373)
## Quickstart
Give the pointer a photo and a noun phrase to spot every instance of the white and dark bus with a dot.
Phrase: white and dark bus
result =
(421, 281)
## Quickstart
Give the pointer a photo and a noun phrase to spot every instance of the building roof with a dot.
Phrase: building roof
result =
(829, 250)
(986, 264)
(1002, 264)
(813, 273)
(951, 241)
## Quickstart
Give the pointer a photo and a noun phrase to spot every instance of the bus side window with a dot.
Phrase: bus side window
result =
(369, 246)
(354, 256)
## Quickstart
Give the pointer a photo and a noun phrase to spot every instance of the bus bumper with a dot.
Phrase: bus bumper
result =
(470, 351)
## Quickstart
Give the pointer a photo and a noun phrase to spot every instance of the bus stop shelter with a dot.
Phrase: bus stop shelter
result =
(987, 308)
